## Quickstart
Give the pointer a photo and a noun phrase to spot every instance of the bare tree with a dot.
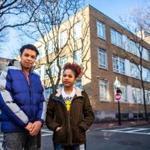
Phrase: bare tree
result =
(53, 19)
(13, 13)
(139, 26)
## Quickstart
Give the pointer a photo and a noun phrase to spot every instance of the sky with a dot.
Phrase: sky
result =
(117, 8)
(112, 8)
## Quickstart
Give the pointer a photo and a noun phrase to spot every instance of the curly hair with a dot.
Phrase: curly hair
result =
(74, 67)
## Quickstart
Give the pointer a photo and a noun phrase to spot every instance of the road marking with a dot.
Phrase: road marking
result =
(46, 132)
(130, 131)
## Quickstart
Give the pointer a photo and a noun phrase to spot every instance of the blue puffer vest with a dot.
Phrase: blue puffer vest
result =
(21, 102)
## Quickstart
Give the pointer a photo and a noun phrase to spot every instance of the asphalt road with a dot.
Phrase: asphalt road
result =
(129, 138)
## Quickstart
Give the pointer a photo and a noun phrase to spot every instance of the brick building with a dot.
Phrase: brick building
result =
(112, 52)
(3, 63)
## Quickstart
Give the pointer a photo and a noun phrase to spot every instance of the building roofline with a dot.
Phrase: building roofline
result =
(92, 7)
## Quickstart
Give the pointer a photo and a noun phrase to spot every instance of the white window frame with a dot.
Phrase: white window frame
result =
(63, 61)
(77, 30)
(101, 31)
(77, 54)
(137, 95)
(63, 38)
(117, 67)
(102, 52)
(116, 38)
(51, 46)
(104, 93)
(124, 94)
(134, 71)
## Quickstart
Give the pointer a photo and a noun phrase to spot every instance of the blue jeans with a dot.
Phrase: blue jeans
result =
(62, 147)
(21, 141)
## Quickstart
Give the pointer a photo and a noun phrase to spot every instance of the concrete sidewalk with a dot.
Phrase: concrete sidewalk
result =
(107, 125)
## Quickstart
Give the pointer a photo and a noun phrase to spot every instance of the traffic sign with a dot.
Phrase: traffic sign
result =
(118, 96)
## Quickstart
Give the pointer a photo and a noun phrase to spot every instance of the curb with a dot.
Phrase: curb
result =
(112, 125)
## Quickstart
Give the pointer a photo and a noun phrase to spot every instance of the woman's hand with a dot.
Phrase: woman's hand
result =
(58, 128)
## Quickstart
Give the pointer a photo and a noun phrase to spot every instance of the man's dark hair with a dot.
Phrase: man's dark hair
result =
(29, 46)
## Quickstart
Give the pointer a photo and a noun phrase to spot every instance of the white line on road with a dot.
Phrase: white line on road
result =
(46, 130)
(123, 129)
(137, 130)
(130, 131)
(46, 134)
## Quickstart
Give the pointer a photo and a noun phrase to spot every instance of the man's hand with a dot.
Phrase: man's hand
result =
(29, 127)
(36, 126)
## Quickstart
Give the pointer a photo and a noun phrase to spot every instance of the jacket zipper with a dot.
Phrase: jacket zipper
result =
(29, 86)
(69, 133)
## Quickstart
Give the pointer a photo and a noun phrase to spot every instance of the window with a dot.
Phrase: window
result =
(63, 38)
(134, 71)
(40, 71)
(125, 42)
(116, 38)
(137, 95)
(42, 52)
(79, 83)
(54, 69)
(146, 74)
(133, 47)
(77, 56)
(147, 96)
(145, 54)
(101, 30)
(77, 30)
(102, 57)
(63, 61)
(103, 90)
(51, 46)
(118, 64)
(47, 92)
(124, 93)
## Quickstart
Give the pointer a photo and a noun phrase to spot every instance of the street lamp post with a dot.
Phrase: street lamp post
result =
(118, 93)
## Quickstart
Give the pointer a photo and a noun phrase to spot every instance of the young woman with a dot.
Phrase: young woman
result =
(69, 113)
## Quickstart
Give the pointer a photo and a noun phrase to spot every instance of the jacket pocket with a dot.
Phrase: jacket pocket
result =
(78, 135)
(60, 136)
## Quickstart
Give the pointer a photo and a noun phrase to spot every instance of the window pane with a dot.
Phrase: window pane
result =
(102, 58)
(101, 30)
(63, 38)
(103, 90)
(118, 64)
(63, 61)
(116, 38)
(77, 56)
(77, 30)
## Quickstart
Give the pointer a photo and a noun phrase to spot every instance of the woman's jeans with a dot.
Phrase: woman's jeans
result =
(62, 147)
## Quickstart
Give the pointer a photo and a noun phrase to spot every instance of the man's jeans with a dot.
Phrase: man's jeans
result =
(21, 141)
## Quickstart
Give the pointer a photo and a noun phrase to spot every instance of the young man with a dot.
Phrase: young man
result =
(22, 103)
